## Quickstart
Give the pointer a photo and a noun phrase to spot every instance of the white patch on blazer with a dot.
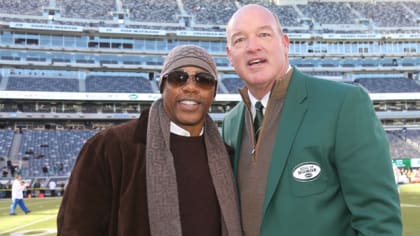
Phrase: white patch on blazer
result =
(306, 171)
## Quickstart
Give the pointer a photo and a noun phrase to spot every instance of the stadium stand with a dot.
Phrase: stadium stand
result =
(328, 12)
(162, 11)
(6, 138)
(69, 68)
(288, 14)
(232, 84)
(386, 14)
(118, 84)
(33, 8)
(55, 149)
(210, 12)
(413, 6)
(88, 9)
(400, 148)
(389, 85)
(43, 84)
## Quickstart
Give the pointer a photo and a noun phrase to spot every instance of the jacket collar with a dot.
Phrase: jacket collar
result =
(293, 113)
(278, 90)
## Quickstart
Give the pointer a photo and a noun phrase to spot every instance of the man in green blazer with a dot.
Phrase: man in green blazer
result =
(321, 164)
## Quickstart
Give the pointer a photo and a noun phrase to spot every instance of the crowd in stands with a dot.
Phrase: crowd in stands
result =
(23, 7)
(232, 83)
(387, 14)
(118, 84)
(414, 135)
(162, 11)
(92, 83)
(129, 82)
(217, 12)
(389, 85)
(228, 84)
(211, 12)
(44, 153)
(92, 9)
(405, 144)
(413, 6)
(400, 148)
(287, 13)
(50, 152)
(42, 84)
(6, 138)
(329, 12)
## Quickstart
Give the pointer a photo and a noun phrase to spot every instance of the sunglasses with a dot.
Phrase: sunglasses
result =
(179, 78)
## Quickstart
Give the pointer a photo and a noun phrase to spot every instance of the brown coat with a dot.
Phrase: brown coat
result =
(106, 194)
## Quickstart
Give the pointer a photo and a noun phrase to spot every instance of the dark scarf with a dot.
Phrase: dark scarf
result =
(162, 191)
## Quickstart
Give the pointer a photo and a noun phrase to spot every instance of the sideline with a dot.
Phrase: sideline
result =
(29, 224)
(28, 202)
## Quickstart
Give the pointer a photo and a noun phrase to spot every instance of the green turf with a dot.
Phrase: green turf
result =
(42, 219)
(410, 207)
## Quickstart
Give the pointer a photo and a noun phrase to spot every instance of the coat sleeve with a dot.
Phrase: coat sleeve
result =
(85, 209)
(365, 170)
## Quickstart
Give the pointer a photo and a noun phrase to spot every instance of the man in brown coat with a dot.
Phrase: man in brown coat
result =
(166, 173)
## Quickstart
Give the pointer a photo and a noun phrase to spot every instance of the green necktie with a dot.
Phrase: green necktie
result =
(258, 118)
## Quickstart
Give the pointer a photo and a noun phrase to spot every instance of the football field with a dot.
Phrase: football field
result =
(42, 220)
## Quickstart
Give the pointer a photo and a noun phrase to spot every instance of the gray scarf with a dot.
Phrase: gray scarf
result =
(162, 191)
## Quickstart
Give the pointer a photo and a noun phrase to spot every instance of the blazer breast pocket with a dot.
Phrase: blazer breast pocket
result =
(307, 176)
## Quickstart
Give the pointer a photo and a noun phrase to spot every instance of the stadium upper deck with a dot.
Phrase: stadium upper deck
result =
(107, 32)
(112, 50)
(214, 14)
(90, 63)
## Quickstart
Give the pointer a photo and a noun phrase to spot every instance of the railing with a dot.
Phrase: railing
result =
(34, 192)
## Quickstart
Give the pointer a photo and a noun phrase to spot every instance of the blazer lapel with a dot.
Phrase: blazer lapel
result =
(232, 132)
(293, 112)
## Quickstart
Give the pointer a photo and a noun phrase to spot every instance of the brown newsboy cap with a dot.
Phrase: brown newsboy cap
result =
(187, 55)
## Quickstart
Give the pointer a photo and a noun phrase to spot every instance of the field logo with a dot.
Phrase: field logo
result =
(133, 96)
(306, 171)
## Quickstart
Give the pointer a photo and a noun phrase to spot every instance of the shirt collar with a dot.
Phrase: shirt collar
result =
(176, 129)
(264, 100)
(253, 100)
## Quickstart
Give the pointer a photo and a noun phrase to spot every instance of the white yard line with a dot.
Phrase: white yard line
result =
(25, 225)
(409, 205)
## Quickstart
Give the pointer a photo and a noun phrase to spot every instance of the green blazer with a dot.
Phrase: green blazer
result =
(330, 172)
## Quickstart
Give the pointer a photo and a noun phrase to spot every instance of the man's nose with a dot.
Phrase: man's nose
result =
(190, 84)
(253, 44)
